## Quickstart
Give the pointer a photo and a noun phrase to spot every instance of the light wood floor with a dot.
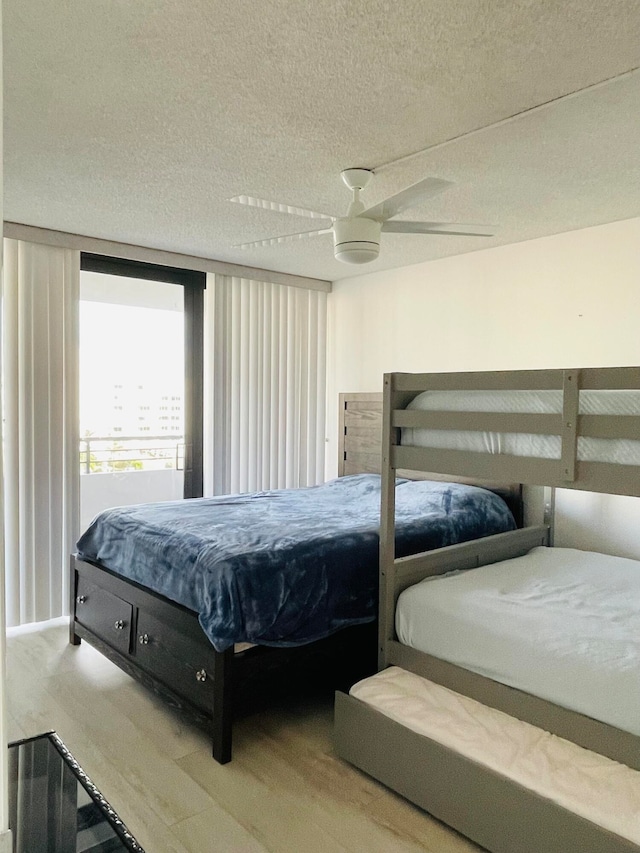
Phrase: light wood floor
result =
(285, 789)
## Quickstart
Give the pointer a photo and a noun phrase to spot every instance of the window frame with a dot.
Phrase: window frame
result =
(194, 284)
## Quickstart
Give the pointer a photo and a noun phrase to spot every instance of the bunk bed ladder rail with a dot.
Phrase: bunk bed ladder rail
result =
(569, 434)
(386, 610)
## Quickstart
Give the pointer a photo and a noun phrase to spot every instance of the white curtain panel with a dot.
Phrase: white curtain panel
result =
(40, 398)
(265, 381)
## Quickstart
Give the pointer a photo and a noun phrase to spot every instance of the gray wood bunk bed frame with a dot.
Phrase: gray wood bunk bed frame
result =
(490, 809)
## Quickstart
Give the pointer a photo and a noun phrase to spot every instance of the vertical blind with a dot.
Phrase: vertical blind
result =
(265, 385)
(265, 377)
(40, 398)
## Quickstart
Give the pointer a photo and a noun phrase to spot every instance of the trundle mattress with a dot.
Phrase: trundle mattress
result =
(601, 790)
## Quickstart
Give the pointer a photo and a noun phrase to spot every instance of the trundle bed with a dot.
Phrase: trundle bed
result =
(214, 618)
(508, 698)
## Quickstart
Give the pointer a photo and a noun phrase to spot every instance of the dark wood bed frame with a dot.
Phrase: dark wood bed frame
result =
(161, 644)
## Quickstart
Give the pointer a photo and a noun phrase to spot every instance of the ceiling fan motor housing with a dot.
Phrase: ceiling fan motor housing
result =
(356, 240)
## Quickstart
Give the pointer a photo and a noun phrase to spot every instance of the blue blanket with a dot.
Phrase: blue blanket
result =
(285, 567)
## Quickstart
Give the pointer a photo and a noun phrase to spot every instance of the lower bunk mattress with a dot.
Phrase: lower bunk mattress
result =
(596, 788)
(283, 567)
(561, 624)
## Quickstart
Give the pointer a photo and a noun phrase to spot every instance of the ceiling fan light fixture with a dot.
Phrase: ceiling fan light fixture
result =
(356, 252)
(357, 240)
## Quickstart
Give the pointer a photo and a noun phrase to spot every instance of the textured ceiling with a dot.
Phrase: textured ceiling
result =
(137, 121)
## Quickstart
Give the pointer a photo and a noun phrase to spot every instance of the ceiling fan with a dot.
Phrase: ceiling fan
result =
(356, 236)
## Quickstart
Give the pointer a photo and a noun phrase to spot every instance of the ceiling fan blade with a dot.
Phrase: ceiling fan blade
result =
(282, 238)
(277, 207)
(429, 228)
(406, 198)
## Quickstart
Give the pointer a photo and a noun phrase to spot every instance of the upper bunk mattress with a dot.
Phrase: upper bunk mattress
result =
(558, 623)
(617, 451)
(283, 567)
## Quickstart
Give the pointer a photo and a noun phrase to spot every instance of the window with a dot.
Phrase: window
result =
(133, 405)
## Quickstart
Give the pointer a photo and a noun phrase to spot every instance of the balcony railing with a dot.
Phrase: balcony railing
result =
(110, 454)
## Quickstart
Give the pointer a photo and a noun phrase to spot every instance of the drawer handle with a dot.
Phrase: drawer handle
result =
(201, 675)
(144, 639)
(119, 625)
(81, 599)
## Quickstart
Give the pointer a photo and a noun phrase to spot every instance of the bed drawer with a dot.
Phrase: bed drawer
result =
(108, 616)
(175, 660)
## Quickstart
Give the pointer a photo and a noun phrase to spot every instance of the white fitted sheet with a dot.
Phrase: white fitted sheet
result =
(601, 790)
(622, 452)
(559, 623)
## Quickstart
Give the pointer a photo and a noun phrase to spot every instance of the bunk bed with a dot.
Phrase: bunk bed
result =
(213, 620)
(498, 753)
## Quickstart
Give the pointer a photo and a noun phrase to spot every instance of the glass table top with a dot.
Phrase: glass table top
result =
(53, 805)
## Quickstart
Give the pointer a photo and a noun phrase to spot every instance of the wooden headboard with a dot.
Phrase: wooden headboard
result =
(360, 450)
(360, 434)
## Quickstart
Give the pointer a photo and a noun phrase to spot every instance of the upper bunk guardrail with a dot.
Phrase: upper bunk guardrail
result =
(567, 470)
(591, 379)
(588, 426)
(478, 421)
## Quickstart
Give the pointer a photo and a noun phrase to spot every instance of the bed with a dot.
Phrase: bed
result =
(212, 603)
(507, 701)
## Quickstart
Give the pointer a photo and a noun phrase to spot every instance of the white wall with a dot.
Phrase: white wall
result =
(571, 300)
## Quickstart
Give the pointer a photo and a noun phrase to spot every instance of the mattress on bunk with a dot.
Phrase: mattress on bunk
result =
(561, 624)
(283, 567)
(601, 790)
(618, 451)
